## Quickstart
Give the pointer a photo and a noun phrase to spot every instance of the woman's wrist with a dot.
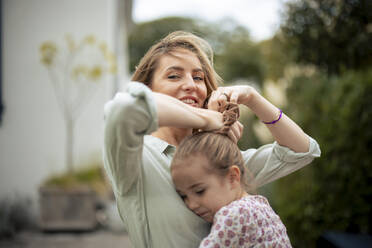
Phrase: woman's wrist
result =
(212, 120)
(250, 97)
(262, 108)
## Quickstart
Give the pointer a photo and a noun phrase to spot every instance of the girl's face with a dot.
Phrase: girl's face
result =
(203, 191)
(180, 75)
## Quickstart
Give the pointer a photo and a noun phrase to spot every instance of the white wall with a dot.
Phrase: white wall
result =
(32, 131)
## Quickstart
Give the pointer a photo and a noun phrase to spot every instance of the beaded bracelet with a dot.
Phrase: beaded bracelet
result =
(274, 121)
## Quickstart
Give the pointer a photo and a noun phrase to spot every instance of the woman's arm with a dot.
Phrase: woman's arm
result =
(136, 112)
(286, 132)
(294, 148)
(172, 112)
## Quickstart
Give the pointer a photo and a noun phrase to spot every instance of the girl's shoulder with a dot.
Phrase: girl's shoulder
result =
(254, 200)
(251, 205)
(249, 201)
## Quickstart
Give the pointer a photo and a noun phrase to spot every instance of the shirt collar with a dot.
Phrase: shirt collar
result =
(159, 144)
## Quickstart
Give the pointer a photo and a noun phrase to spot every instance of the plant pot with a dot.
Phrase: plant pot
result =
(72, 209)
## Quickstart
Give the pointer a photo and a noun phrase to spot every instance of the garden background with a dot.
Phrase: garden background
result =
(317, 67)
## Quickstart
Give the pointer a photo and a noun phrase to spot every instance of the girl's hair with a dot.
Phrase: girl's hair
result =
(219, 150)
(179, 39)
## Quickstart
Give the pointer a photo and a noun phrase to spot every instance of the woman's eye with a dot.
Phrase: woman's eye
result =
(199, 78)
(173, 76)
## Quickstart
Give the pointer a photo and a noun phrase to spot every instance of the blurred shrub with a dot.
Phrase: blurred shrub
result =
(91, 176)
(277, 55)
(241, 59)
(334, 35)
(15, 215)
(335, 192)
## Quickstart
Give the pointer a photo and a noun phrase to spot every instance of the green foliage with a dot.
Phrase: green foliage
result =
(91, 176)
(334, 35)
(334, 193)
(249, 139)
(241, 59)
(276, 55)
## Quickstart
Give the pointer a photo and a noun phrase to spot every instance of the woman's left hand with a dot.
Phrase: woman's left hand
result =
(240, 94)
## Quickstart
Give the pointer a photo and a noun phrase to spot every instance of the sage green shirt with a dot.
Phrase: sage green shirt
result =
(138, 166)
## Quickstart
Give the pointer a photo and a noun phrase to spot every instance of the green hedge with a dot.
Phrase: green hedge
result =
(335, 191)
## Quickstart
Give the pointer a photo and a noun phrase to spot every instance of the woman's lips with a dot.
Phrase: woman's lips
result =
(190, 100)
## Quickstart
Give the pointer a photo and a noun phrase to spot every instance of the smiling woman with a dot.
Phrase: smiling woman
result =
(165, 104)
(181, 69)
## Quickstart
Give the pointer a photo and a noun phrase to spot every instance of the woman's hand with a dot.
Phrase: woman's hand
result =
(235, 94)
(235, 132)
(285, 131)
(240, 94)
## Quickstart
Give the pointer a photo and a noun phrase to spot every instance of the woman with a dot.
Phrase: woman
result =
(145, 124)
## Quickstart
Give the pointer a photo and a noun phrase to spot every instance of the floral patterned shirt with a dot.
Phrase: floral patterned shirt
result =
(247, 222)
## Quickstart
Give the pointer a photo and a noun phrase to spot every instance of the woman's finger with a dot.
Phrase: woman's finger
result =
(218, 100)
(232, 136)
(222, 101)
(240, 129)
(212, 102)
(236, 131)
(234, 97)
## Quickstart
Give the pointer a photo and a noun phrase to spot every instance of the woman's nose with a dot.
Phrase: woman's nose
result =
(189, 83)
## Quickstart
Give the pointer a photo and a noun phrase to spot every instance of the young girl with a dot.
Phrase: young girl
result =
(209, 175)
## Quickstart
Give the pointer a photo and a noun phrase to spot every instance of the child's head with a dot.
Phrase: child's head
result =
(208, 173)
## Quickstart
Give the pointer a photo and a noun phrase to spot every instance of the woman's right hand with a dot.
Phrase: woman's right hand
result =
(213, 119)
(235, 132)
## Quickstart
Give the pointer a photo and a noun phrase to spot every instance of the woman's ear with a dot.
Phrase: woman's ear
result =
(234, 175)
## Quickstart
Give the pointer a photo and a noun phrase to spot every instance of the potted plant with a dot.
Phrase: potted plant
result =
(68, 201)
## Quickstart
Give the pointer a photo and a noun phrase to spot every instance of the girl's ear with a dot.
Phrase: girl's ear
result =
(234, 175)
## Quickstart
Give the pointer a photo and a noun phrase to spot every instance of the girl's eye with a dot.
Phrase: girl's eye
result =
(199, 78)
(200, 192)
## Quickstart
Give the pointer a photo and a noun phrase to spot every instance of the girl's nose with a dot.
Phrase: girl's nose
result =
(192, 204)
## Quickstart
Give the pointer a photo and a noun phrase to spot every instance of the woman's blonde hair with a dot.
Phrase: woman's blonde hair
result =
(179, 39)
(220, 151)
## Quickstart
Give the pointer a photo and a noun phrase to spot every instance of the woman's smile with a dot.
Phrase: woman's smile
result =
(190, 100)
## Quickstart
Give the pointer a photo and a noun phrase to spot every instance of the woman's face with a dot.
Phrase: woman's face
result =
(180, 75)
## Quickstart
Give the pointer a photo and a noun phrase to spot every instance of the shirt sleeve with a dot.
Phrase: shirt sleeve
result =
(128, 117)
(273, 161)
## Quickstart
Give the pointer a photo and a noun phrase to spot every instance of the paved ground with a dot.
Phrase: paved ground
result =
(95, 239)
